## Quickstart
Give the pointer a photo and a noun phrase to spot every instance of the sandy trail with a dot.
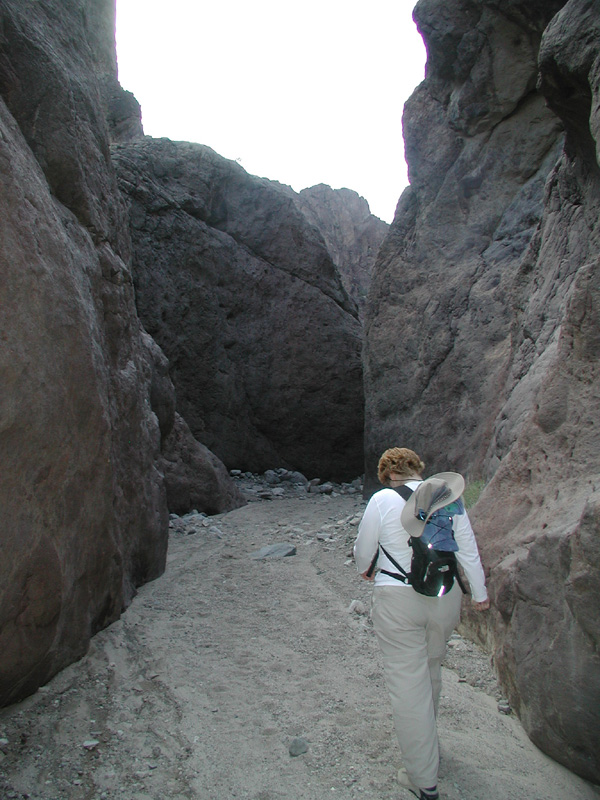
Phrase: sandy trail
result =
(201, 687)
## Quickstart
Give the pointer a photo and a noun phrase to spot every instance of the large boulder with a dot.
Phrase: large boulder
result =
(494, 326)
(194, 477)
(241, 294)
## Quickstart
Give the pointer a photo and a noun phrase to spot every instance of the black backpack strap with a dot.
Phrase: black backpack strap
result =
(404, 578)
(405, 492)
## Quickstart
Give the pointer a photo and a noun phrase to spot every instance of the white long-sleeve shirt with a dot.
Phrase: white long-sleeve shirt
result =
(381, 523)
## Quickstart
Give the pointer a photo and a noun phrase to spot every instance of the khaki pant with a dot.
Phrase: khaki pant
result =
(413, 631)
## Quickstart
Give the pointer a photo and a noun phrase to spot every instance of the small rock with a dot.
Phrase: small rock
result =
(90, 744)
(357, 607)
(177, 525)
(298, 478)
(504, 707)
(298, 746)
(280, 550)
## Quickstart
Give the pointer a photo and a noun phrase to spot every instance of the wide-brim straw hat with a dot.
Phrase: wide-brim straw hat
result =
(436, 492)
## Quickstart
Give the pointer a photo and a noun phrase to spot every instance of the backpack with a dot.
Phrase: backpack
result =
(433, 566)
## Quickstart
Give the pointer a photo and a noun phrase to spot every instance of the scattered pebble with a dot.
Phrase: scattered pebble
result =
(298, 746)
(90, 744)
(357, 607)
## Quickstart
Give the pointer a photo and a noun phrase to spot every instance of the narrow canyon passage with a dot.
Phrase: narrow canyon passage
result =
(220, 665)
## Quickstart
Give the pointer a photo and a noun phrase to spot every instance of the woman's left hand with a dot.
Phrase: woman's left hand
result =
(368, 577)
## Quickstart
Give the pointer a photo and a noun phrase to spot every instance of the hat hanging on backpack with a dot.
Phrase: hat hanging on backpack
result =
(432, 494)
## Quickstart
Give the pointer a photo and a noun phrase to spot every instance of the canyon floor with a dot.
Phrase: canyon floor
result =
(225, 662)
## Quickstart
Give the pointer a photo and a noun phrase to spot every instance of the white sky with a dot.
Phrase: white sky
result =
(301, 93)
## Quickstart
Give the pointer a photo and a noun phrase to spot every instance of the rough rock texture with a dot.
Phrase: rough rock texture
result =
(241, 294)
(120, 108)
(480, 143)
(194, 477)
(84, 514)
(352, 234)
(545, 496)
(493, 370)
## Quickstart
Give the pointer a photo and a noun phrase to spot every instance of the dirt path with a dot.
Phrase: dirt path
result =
(218, 666)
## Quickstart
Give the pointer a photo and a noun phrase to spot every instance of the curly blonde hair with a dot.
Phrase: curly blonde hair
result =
(406, 463)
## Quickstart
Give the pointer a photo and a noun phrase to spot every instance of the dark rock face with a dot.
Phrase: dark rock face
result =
(244, 299)
(497, 244)
(83, 504)
(545, 494)
(351, 233)
(194, 477)
(84, 511)
(480, 143)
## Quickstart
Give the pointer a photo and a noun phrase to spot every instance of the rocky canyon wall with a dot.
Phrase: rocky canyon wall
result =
(82, 490)
(237, 285)
(483, 328)
(241, 293)
(352, 234)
